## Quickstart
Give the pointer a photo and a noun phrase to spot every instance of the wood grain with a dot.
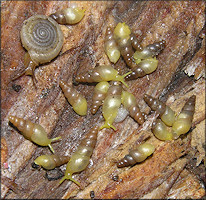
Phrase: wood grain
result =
(179, 23)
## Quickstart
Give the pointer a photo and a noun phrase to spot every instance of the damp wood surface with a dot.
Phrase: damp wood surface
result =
(168, 173)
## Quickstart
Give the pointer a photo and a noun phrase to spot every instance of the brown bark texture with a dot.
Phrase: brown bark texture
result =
(176, 168)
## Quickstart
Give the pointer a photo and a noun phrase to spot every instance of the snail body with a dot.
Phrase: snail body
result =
(110, 46)
(80, 158)
(137, 155)
(111, 105)
(167, 115)
(32, 131)
(184, 120)
(144, 61)
(42, 37)
(130, 103)
(180, 126)
(99, 95)
(160, 130)
(122, 30)
(68, 15)
(78, 102)
(150, 50)
(122, 34)
(135, 43)
(143, 68)
(101, 73)
(51, 161)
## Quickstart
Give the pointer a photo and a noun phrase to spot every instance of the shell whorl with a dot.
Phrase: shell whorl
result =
(42, 37)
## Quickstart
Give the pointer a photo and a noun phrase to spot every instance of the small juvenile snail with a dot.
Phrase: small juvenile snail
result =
(111, 105)
(130, 103)
(32, 131)
(110, 46)
(42, 37)
(99, 95)
(51, 161)
(80, 158)
(68, 15)
(78, 102)
(101, 73)
(137, 155)
(167, 115)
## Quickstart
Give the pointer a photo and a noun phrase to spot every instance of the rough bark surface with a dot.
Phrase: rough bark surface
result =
(179, 75)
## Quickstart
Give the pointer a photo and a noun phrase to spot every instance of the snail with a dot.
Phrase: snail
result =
(160, 130)
(78, 102)
(101, 73)
(150, 50)
(167, 115)
(130, 103)
(99, 95)
(126, 42)
(137, 155)
(111, 105)
(110, 46)
(143, 68)
(183, 122)
(180, 126)
(42, 37)
(145, 62)
(125, 46)
(135, 43)
(32, 131)
(122, 30)
(80, 158)
(68, 15)
(50, 161)
(122, 34)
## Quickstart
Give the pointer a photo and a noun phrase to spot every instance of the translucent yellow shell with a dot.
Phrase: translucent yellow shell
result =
(80, 158)
(122, 30)
(110, 109)
(68, 15)
(32, 131)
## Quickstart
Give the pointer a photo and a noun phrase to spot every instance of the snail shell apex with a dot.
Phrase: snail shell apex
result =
(42, 37)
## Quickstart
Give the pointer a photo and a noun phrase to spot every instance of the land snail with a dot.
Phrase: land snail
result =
(43, 39)
(137, 155)
(32, 131)
(179, 125)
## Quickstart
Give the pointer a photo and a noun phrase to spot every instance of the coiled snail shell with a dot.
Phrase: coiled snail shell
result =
(137, 155)
(42, 37)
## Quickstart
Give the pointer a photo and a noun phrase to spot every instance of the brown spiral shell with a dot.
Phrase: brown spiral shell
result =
(42, 37)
